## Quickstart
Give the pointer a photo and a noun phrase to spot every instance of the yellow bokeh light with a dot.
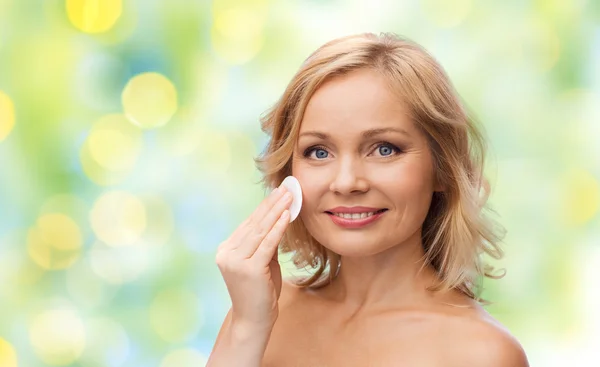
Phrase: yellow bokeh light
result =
(7, 115)
(237, 31)
(8, 356)
(55, 242)
(184, 358)
(114, 143)
(175, 315)
(149, 100)
(111, 150)
(57, 336)
(118, 218)
(60, 230)
(94, 16)
(580, 197)
(95, 172)
(447, 14)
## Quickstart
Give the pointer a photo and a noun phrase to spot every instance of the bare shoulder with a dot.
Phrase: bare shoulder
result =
(483, 341)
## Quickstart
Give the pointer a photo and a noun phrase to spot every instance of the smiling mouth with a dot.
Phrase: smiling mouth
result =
(356, 215)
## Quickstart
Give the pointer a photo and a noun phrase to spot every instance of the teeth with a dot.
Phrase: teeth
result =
(354, 215)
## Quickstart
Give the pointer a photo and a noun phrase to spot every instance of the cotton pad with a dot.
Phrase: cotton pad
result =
(292, 185)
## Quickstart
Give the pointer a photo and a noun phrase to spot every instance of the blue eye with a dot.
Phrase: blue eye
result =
(323, 153)
(385, 150)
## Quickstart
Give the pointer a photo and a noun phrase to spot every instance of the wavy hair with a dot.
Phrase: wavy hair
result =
(456, 231)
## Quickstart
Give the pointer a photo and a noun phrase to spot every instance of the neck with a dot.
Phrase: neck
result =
(392, 278)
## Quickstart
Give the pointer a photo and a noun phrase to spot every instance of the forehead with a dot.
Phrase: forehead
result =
(359, 100)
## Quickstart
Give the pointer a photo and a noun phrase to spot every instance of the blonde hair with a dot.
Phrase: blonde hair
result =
(456, 232)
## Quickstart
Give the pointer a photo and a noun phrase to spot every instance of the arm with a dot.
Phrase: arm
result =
(239, 345)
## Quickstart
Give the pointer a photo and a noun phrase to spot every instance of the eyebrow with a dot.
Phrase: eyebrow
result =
(365, 134)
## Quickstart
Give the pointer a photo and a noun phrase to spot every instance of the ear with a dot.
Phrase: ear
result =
(439, 188)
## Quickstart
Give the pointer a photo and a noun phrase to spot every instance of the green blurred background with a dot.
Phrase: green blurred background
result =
(128, 128)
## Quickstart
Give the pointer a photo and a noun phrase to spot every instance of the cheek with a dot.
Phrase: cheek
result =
(310, 194)
(409, 178)
(309, 185)
(312, 179)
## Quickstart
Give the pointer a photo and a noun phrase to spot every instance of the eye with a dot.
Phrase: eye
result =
(387, 149)
(320, 152)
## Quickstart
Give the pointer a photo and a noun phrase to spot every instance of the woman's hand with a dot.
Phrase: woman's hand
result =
(248, 262)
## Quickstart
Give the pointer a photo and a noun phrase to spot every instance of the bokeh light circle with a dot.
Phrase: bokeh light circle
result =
(54, 242)
(111, 149)
(94, 16)
(7, 115)
(57, 336)
(8, 356)
(237, 31)
(118, 218)
(149, 100)
(580, 197)
(114, 144)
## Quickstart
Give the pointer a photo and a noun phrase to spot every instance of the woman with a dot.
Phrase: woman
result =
(369, 124)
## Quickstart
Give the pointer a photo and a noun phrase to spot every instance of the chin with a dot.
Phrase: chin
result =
(353, 246)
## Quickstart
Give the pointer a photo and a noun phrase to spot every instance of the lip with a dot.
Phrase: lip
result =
(353, 209)
(354, 223)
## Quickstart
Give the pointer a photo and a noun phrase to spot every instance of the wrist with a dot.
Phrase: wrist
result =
(243, 331)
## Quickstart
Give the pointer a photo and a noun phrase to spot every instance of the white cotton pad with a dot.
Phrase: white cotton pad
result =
(292, 185)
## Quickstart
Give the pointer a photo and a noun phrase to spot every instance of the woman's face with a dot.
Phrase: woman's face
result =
(357, 146)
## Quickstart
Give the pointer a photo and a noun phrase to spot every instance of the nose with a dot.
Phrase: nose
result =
(349, 179)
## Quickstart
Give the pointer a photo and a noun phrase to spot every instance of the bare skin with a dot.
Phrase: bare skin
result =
(314, 330)
(378, 312)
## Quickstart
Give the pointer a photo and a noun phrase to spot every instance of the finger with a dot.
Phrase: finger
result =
(240, 236)
(260, 230)
(266, 205)
(268, 247)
